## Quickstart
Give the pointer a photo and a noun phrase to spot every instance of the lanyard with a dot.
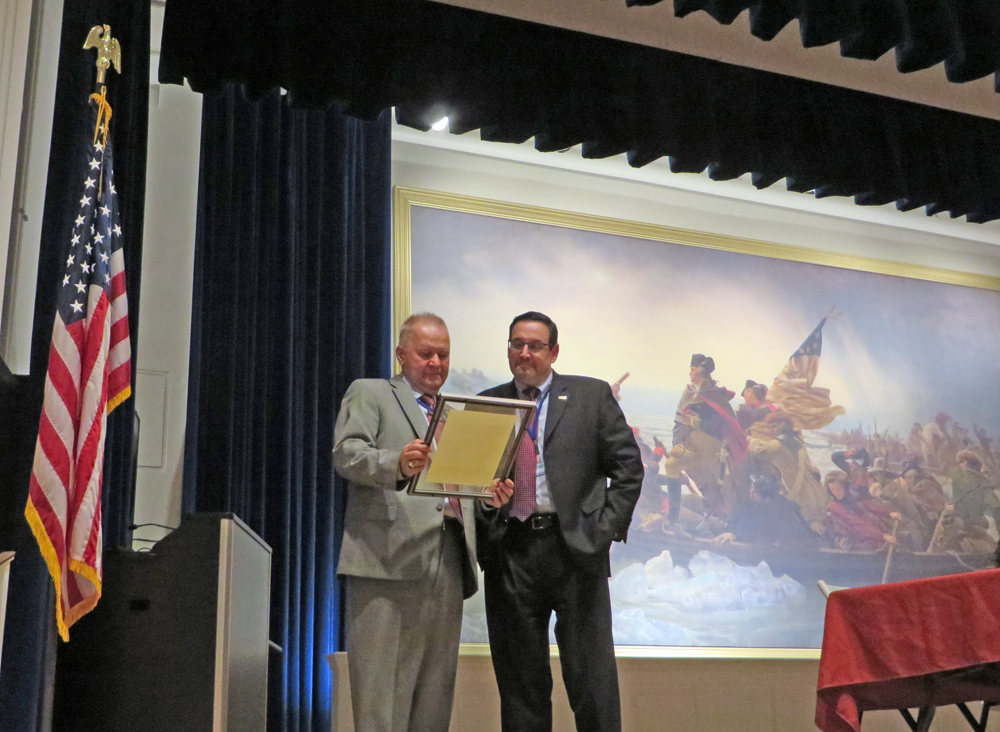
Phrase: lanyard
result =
(533, 428)
(428, 409)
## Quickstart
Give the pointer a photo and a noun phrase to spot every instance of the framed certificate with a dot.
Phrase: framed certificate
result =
(473, 441)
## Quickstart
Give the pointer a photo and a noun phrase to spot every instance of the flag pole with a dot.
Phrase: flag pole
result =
(109, 53)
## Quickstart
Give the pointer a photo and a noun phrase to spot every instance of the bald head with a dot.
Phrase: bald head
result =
(424, 351)
(409, 327)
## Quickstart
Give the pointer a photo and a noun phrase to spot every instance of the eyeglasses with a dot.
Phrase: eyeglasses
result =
(518, 345)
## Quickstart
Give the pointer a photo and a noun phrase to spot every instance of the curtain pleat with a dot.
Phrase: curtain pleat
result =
(961, 33)
(291, 304)
(513, 81)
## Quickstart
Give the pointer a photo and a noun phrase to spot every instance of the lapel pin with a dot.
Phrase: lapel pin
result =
(564, 397)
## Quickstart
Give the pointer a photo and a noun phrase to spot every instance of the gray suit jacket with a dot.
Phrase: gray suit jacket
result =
(593, 466)
(388, 534)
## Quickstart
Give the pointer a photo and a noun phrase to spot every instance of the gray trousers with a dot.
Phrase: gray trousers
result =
(402, 643)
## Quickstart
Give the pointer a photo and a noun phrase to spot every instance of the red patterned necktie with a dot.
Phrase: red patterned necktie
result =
(428, 401)
(525, 466)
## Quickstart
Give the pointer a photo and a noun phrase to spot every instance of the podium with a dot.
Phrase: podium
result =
(179, 639)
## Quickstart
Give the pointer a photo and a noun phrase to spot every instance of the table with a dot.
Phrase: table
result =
(924, 643)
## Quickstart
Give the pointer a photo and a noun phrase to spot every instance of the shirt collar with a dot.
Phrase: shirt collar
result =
(542, 390)
(416, 394)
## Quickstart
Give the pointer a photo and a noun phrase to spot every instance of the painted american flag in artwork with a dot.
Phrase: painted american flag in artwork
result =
(793, 392)
(89, 374)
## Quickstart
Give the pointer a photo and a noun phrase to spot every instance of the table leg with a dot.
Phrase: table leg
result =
(979, 725)
(923, 721)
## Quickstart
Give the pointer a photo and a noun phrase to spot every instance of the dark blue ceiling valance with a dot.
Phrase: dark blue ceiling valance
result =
(513, 81)
(964, 34)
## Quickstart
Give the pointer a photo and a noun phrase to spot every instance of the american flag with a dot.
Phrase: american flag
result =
(810, 407)
(89, 374)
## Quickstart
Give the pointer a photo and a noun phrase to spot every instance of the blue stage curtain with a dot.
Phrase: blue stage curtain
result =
(513, 80)
(29, 653)
(961, 33)
(291, 304)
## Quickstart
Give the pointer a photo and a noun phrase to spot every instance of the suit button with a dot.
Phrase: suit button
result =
(440, 507)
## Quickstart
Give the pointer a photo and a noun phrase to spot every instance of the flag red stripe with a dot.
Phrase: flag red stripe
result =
(118, 284)
(91, 553)
(73, 594)
(88, 456)
(95, 339)
(78, 332)
(54, 449)
(53, 528)
(119, 379)
(119, 331)
(64, 385)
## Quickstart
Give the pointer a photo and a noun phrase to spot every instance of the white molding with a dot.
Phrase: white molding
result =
(20, 262)
(15, 32)
(658, 174)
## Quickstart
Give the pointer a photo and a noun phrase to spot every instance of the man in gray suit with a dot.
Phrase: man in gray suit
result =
(409, 560)
(578, 475)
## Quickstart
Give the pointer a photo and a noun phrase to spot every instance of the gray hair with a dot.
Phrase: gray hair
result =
(410, 324)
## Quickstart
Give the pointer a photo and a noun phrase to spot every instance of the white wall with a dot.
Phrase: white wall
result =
(15, 30)
(19, 262)
(165, 307)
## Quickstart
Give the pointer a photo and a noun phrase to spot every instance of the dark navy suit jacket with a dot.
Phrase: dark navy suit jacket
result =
(593, 467)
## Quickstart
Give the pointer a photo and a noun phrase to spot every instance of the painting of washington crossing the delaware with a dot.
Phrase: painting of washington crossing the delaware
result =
(797, 421)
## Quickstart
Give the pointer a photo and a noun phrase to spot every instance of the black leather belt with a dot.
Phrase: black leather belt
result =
(538, 522)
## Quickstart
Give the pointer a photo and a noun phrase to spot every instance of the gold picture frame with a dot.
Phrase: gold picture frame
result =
(407, 199)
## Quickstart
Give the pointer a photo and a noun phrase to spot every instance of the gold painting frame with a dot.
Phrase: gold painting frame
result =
(404, 199)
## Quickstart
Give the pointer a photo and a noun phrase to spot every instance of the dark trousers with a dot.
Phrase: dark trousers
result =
(531, 578)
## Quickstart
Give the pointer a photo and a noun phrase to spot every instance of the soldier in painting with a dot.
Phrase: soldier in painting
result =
(924, 489)
(651, 497)
(776, 447)
(914, 529)
(972, 492)
(753, 409)
(706, 425)
(768, 518)
(676, 460)
(855, 521)
(985, 451)
(960, 534)
(702, 403)
(854, 461)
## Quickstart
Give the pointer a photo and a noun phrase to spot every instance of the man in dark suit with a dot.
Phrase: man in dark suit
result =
(577, 478)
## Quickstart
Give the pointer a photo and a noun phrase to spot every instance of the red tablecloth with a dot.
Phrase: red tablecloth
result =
(909, 644)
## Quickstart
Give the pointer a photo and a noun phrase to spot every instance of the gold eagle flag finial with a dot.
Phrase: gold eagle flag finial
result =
(109, 51)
